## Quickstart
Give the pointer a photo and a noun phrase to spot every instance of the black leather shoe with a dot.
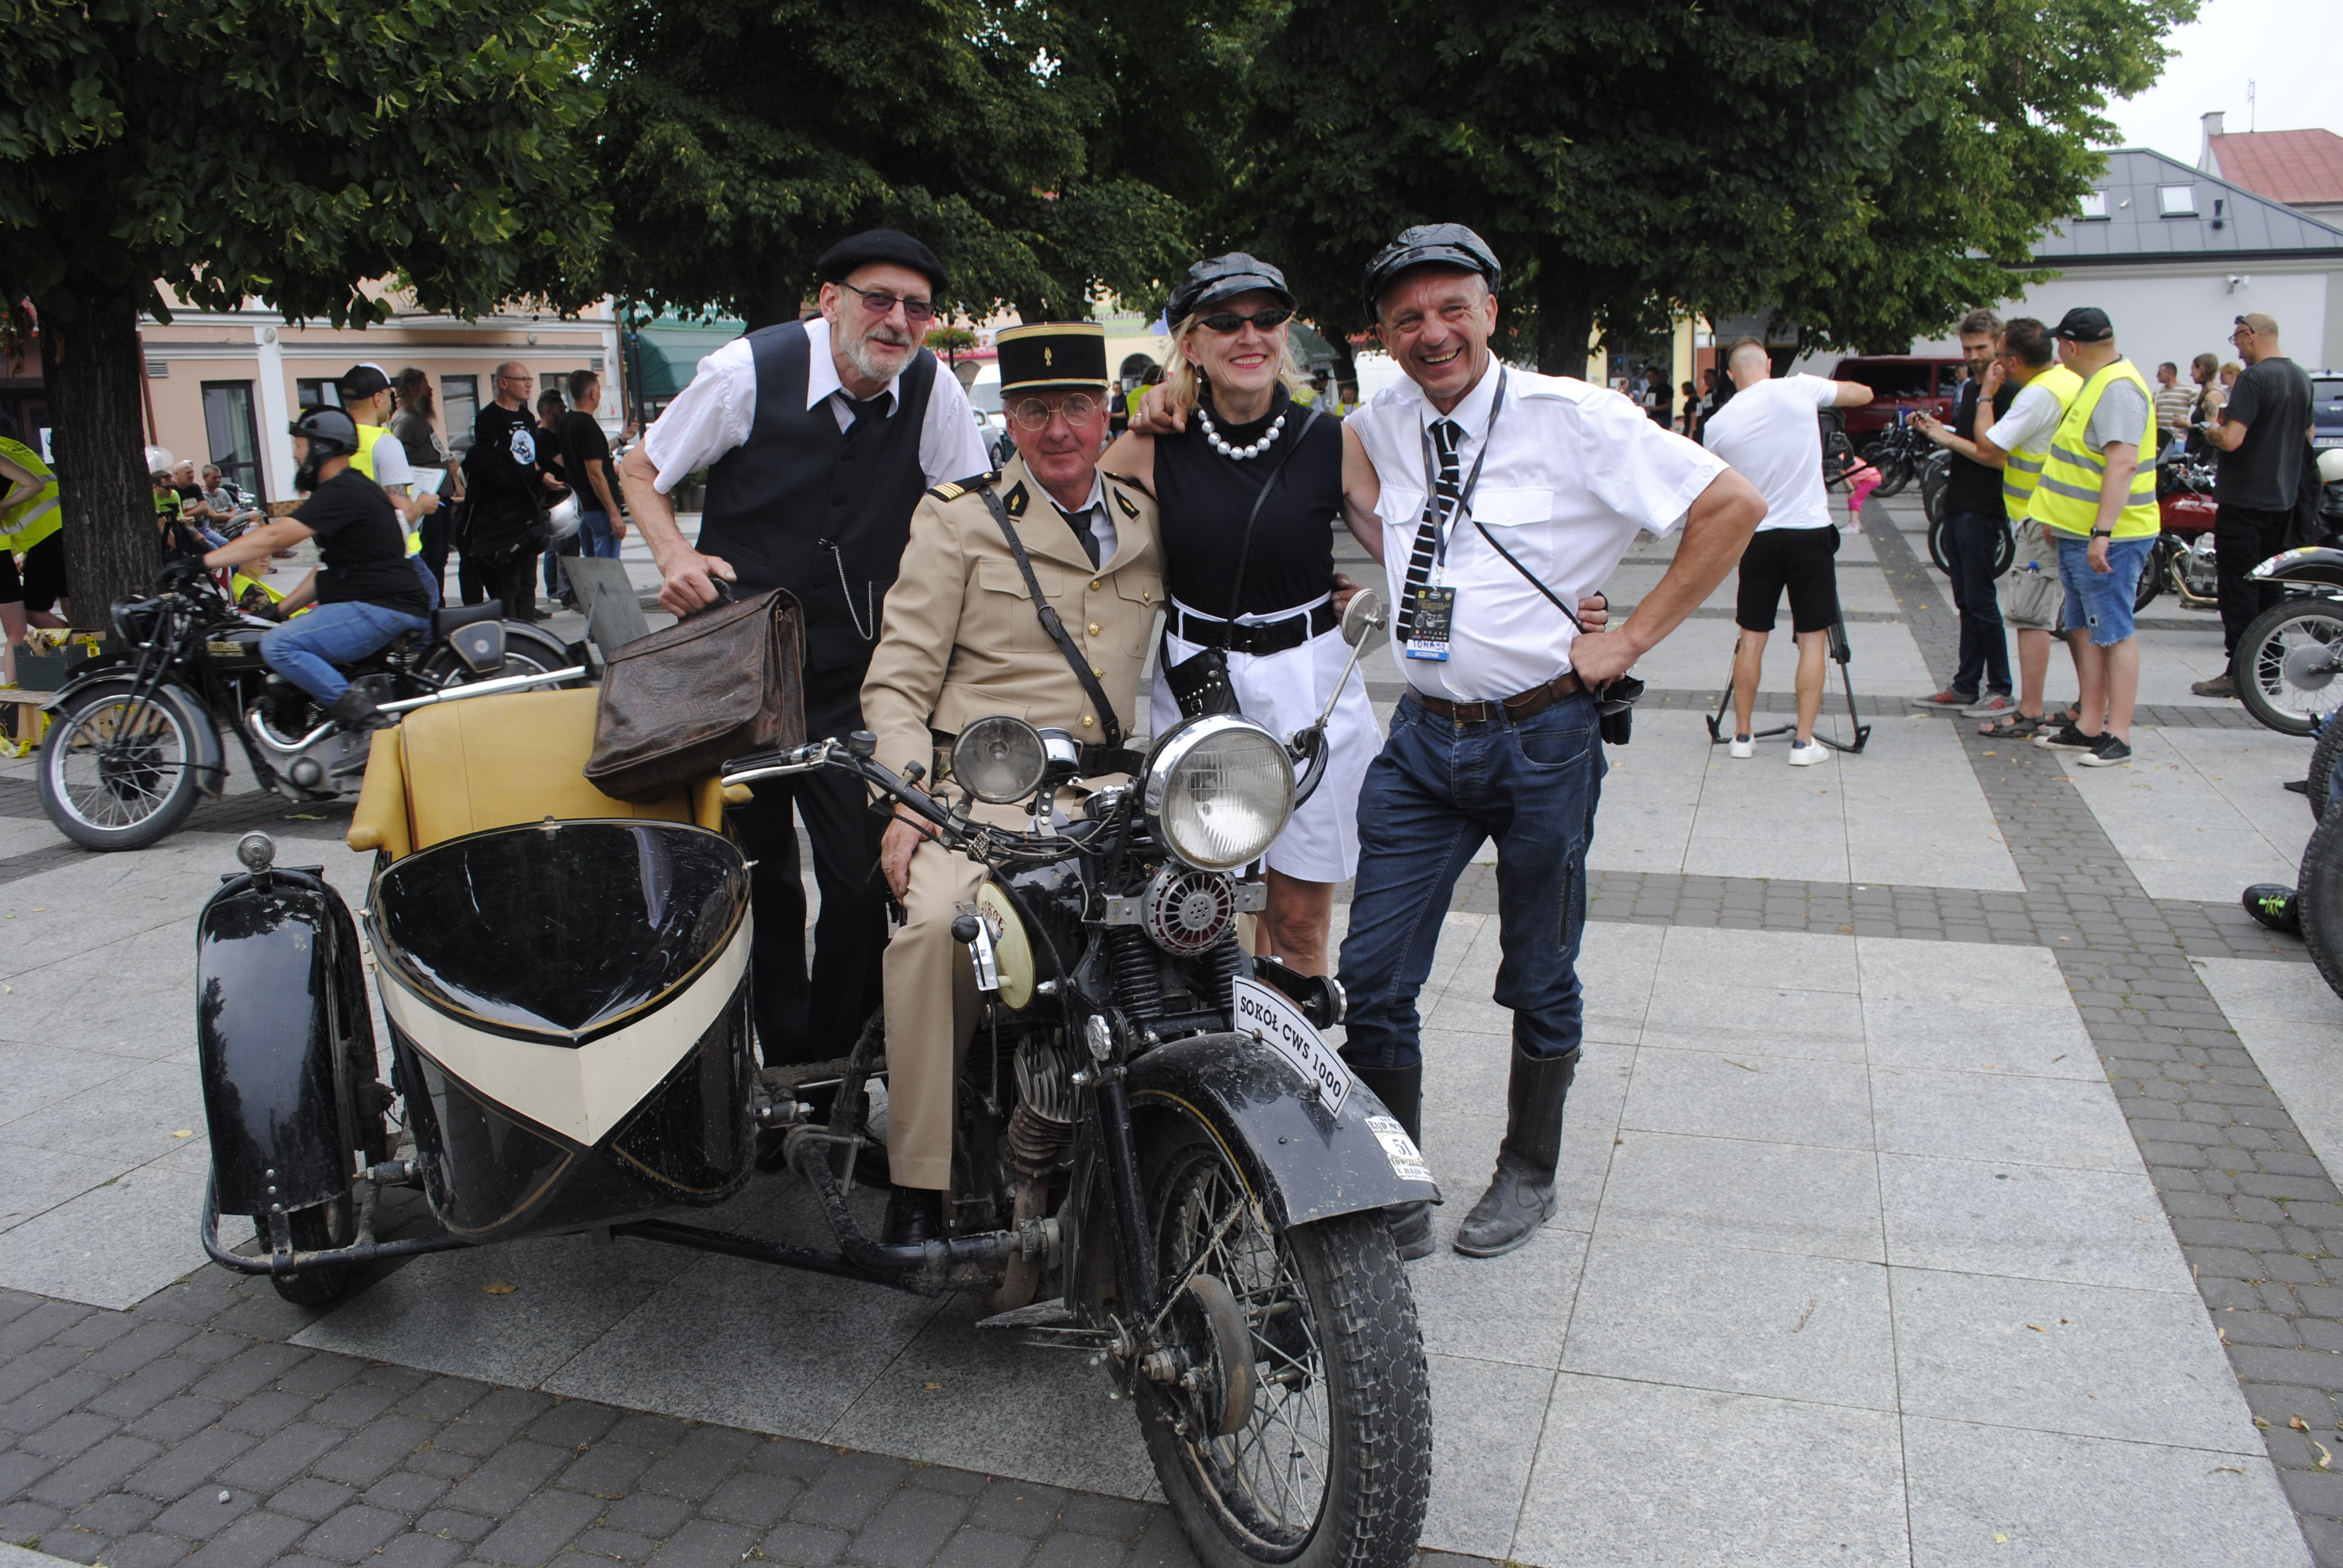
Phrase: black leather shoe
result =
(2274, 906)
(1400, 1088)
(915, 1215)
(1521, 1196)
(354, 709)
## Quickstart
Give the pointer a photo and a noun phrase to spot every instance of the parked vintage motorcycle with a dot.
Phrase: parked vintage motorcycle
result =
(135, 736)
(1899, 452)
(2287, 657)
(2182, 561)
(1157, 1159)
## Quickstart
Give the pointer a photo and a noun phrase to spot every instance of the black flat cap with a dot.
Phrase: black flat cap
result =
(1431, 245)
(2085, 323)
(887, 244)
(1223, 277)
(1053, 357)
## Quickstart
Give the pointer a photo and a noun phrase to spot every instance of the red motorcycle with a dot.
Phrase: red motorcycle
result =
(2182, 561)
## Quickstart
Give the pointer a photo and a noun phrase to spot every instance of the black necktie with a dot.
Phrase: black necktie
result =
(1446, 434)
(867, 411)
(1081, 523)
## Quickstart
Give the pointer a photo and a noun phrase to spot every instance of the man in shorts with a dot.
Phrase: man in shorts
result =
(1770, 432)
(28, 527)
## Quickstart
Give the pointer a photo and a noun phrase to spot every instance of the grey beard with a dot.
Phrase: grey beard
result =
(866, 365)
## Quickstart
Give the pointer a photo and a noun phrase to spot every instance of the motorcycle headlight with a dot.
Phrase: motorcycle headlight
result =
(1219, 789)
(1000, 760)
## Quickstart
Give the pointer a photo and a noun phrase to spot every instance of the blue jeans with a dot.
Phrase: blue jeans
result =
(430, 582)
(1971, 541)
(595, 538)
(1436, 792)
(305, 649)
(2102, 601)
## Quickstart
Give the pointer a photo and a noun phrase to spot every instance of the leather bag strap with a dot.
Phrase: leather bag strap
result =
(1047, 613)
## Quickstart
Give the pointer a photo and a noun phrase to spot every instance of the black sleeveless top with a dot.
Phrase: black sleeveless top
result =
(1205, 498)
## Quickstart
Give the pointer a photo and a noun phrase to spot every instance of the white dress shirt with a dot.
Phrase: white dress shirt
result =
(1573, 472)
(717, 411)
(1096, 512)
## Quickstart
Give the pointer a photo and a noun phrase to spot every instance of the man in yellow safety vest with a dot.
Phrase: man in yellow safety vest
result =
(28, 527)
(382, 458)
(2097, 498)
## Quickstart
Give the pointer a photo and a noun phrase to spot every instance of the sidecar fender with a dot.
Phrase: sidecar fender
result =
(2311, 564)
(280, 997)
(1301, 1164)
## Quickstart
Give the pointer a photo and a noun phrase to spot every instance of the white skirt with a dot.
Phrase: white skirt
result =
(1283, 692)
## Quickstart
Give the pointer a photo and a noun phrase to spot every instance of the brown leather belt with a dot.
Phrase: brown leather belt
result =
(1521, 705)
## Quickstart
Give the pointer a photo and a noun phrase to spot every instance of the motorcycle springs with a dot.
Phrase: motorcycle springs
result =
(1138, 973)
(1225, 963)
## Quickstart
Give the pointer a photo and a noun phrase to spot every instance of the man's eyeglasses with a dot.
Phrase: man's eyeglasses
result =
(879, 303)
(1034, 415)
(1229, 323)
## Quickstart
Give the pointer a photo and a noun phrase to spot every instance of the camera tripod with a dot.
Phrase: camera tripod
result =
(1842, 655)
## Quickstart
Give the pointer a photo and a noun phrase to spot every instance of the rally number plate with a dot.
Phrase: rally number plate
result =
(1278, 1024)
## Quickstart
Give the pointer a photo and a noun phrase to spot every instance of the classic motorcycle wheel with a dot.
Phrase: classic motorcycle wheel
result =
(2151, 578)
(1331, 1461)
(119, 773)
(442, 667)
(2286, 664)
(2004, 552)
(1894, 474)
(2318, 898)
(2322, 768)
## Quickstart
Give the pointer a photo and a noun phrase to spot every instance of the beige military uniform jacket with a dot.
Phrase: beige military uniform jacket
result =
(960, 639)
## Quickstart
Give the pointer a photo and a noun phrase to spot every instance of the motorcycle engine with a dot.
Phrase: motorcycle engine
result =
(1045, 1070)
(1186, 911)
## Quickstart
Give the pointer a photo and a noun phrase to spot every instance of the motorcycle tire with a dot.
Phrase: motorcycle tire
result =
(2151, 581)
(443, 667)
(2289, 634)
(142, 793)
(314, 1230)
(1894, 474)
(2322, 768)
(1936, 551)
(2005, 549)
(2319, 899)
(1333, 1463)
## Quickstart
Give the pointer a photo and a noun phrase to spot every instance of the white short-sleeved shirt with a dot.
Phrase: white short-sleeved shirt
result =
(717, 411)
(1573, 472)
(1769, 433)
(2033, 418)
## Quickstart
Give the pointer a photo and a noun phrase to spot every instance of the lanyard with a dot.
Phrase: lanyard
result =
(1465, 498)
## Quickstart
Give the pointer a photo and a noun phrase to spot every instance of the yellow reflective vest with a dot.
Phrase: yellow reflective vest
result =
(2068, 499)
(2023, 469)
(369, 437)
(34, 519)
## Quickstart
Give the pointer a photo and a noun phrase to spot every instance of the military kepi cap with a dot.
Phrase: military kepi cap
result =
(1431, 245)
(2085, 323)
(1220, 278)
(876, 244)
(1053, 357)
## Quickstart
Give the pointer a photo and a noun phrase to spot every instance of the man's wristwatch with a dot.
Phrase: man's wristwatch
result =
(2102, 533)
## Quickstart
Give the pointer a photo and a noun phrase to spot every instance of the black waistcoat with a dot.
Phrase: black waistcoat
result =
(800, 506)
(1971, 486)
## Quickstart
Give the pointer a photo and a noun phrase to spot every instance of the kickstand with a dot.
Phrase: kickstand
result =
(1844, 656)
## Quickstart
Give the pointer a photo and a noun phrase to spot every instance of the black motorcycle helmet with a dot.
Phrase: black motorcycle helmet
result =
(330, 434)
(1427, 244)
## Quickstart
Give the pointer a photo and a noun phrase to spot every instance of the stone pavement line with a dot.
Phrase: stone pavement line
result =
(2254, 1211)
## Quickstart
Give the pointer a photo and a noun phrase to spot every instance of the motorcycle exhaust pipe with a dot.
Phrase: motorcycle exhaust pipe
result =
(928, 1268)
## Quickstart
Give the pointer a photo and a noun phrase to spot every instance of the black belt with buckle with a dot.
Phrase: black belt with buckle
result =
(1521, 705)
(1255, 637)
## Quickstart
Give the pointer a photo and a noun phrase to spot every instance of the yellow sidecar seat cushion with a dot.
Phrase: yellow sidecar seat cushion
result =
(483, 762)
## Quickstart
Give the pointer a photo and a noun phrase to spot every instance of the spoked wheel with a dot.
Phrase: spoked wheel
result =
(2318, 898)
(445, 668)
(2286, 663)
(1311, 1444)
(118, 772)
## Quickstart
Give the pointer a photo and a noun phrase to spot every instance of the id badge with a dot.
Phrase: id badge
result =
(1435, 615)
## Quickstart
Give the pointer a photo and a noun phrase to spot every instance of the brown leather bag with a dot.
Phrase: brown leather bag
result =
(677, 704)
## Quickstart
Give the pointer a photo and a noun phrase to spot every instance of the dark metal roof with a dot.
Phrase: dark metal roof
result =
(2251, 226)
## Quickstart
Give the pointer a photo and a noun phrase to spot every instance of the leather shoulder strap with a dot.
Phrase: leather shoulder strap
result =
(1110, 726)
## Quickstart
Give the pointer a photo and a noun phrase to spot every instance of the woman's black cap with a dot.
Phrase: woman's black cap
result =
(1223, 277)
(1426, 244)
(889, 244)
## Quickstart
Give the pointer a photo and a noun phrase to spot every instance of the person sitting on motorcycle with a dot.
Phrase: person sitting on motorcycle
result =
(960, 640)
(367, 593)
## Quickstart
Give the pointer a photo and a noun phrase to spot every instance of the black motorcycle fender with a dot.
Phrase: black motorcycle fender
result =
(274, 977)
(211, 761)
(2313, 564)
(1300, 1163)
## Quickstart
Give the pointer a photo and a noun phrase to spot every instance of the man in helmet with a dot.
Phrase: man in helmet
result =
(366, 592)
(366, 399)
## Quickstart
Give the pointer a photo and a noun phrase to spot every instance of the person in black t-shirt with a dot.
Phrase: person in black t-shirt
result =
(509, 490)
(367, 593)
(1975, 521)
(2263, 438)
(585, 462)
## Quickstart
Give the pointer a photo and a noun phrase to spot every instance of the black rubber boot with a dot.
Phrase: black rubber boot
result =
(354, 709)
(1521, 1195)
(914, 1215)
(1400, 1088)
(2273, 905)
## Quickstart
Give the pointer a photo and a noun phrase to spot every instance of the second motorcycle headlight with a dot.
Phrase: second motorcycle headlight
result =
(1221, 789)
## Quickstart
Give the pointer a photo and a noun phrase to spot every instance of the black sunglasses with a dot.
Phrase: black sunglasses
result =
(1227, 322)
(879, 303)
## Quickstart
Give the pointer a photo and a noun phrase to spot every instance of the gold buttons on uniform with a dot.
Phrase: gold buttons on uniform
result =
(1094, 584)
(1087, 722)
(1147, 595)
(1096, 671)
(1094, 628)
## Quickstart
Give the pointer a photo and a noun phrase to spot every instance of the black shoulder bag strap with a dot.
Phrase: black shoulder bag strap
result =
(1109, 725)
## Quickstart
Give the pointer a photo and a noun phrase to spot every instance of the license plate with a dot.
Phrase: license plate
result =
(1278, 1024)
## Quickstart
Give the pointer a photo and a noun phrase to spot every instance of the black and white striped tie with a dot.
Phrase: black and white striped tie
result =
(1440, 504)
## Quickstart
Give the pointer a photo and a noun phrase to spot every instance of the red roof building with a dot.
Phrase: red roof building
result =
(2304, 169)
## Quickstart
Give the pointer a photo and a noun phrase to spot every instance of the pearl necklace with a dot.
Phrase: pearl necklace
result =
(1214, 439)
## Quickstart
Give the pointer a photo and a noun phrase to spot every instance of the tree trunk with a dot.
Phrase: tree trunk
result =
(1565, 315)
(91, 363)
(780, 299)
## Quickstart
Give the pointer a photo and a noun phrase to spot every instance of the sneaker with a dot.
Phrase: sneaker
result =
(1993, 707)
(2067, 738)
(1743, 746)
(1806, 753)
(1949, 700)
(2219, 686)
(2104, 752)
(2273, 905)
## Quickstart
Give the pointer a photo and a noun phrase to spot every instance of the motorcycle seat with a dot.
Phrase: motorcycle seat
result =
(498, 761)
(445, 620)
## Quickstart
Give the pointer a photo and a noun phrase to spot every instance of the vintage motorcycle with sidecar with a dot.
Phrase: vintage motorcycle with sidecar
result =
(1159, 1162)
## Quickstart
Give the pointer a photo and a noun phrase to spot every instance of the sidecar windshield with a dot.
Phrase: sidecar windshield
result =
(566, 928)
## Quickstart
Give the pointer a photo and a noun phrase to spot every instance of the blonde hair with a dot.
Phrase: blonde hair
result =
(1187, 383)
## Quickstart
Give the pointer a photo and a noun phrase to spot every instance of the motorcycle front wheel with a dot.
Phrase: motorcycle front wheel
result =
(118, 771)
(2319, 899)
(1895, 473)
(2151, 577)
(1333, 1462)
(2286, 664)
(2322, 768)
